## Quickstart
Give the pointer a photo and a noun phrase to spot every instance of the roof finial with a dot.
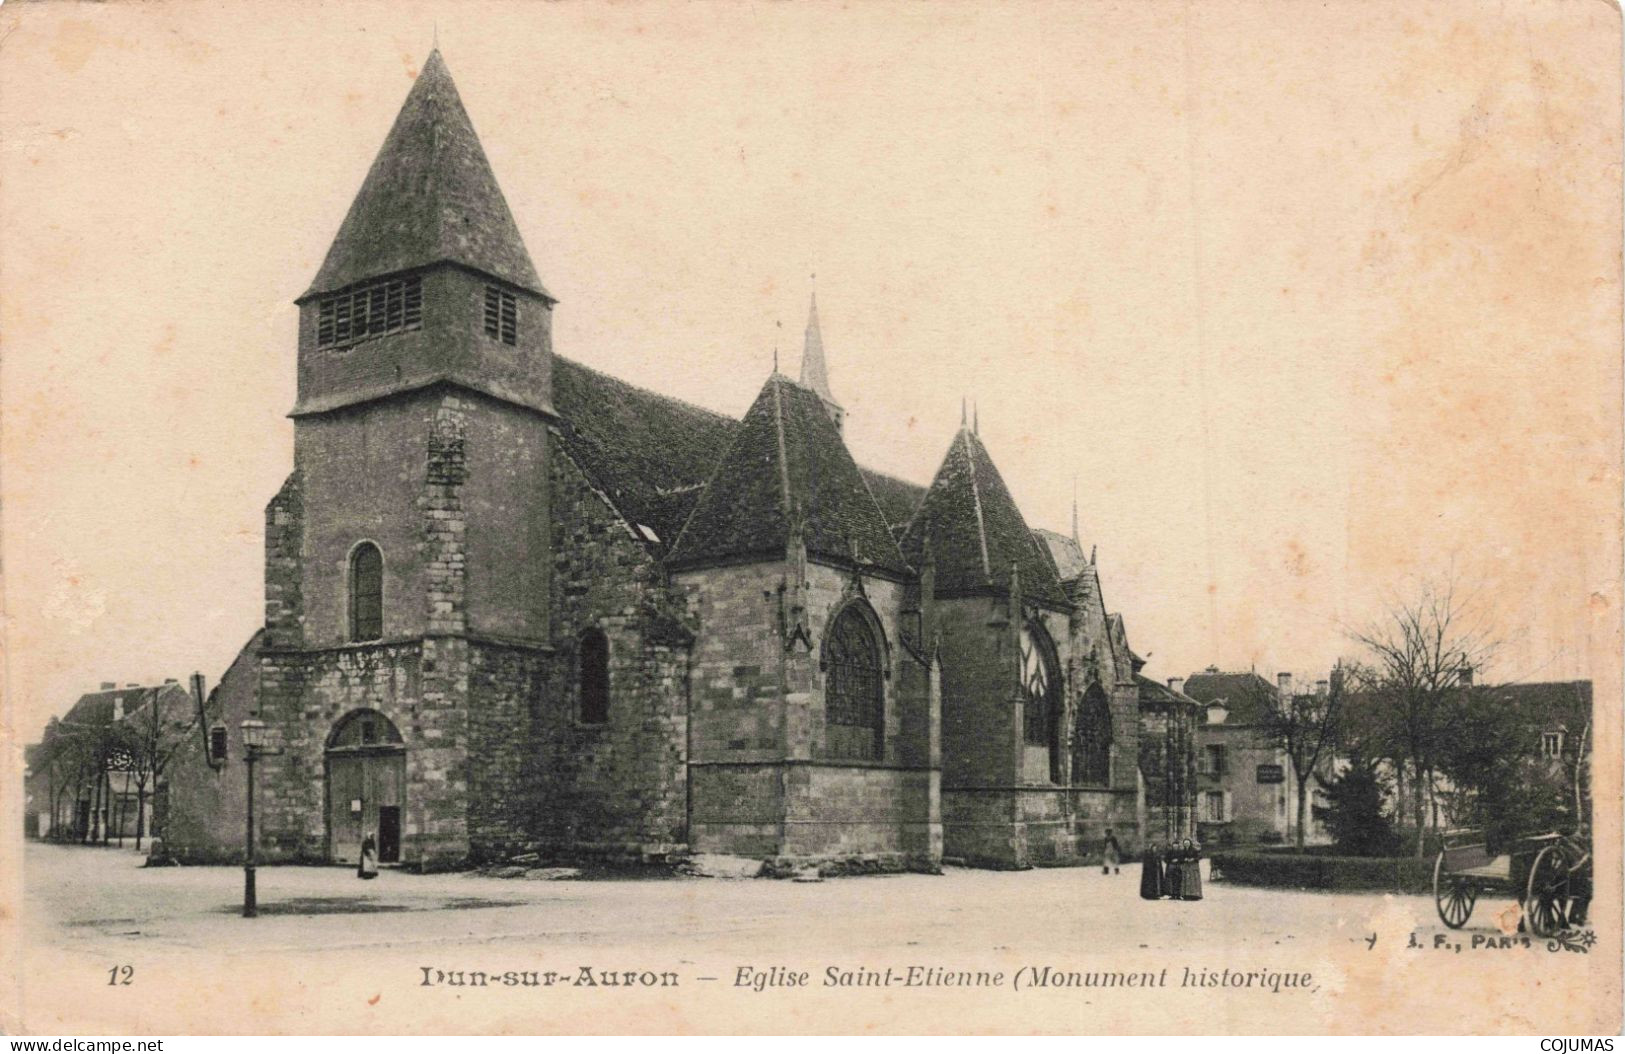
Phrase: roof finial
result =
(437, 34)
(1075, 508)
(778, 327)
(964, 412)
(975, 419)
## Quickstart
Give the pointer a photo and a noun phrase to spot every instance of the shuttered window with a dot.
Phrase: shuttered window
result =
(369, 311)
(501, 315)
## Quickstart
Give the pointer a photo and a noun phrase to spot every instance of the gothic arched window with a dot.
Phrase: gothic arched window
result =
(1040, 685)
(854, 707)
(1092, 747)
(592, 655)
(366, 592)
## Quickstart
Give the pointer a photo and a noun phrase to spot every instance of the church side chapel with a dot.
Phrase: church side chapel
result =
(514, 605)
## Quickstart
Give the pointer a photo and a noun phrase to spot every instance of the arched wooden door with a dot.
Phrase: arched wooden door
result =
(366, 786)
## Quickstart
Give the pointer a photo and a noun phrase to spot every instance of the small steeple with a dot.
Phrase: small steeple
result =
(1075, 539)
(814, 373)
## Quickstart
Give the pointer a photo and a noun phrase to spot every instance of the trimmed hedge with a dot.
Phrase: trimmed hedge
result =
(1334, 873)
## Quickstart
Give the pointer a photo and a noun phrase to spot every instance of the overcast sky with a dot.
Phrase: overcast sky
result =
(1309, 299)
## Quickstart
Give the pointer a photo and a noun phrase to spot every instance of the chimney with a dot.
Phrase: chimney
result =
(171, 680)
(1464, 676)
(1176, 684)
(108, 686)
(1284, 683)
(1211, 669)
(131, 684)
(1322, 686)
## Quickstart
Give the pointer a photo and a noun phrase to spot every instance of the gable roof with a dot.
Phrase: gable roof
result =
(650, 453)
(786, 459)
(898, 499)
(1154, 691)
(1243, 693)
(1066, 553)
(430, 197)
(975, 531)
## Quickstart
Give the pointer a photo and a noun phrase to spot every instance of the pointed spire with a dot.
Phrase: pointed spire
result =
(430, 197)
(814, 372)
(1075, 539)
(964, 411)
(975, 419)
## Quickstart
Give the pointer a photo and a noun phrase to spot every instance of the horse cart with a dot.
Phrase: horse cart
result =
(1549, 874)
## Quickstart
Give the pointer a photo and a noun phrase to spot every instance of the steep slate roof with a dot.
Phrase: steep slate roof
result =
(429, 197)
(976, 532)
(786, 454)
(898, 498)
(650, 453)
(1242, 693)
(1065, 553)
(1153, 691)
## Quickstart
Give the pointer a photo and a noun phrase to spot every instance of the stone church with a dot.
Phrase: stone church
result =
(516, 605)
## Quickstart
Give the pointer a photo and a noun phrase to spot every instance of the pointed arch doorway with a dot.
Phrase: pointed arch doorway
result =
(366, 786)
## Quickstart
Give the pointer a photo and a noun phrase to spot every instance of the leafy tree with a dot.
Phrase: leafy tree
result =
(1355, 816)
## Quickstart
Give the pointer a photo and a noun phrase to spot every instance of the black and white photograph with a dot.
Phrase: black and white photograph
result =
(658, 518)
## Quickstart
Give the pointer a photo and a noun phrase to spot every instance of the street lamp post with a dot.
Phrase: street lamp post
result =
(256, 744)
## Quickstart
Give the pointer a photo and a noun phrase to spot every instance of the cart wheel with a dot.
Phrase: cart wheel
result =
(1453, 896)
(1547, 904)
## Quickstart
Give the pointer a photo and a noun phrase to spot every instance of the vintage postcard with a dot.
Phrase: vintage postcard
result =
(656, 517)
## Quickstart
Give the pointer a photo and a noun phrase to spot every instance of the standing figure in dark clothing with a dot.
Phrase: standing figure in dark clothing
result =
(1173, 869)
(1151, 887)
(1111, 856)
(1190, 872)
(368, 867)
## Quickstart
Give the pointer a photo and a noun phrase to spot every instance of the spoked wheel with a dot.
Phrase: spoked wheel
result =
(1453, 895)
(1546, 907)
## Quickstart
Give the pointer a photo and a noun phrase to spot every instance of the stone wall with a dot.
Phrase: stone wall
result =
(204, 805)
(618, 788)
(765, 780)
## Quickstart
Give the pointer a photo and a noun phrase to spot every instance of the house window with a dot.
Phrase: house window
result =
(1092, 750)
(366, 592)
(1216, 765)
(501, 315)
(367, 311)
(593, 656)
(217, 744)
(1215, 806)
(854, 699)
(1551, 745)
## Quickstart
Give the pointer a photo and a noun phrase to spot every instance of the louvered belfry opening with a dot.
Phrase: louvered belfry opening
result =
(501, 315)
(373, 310)
(854, 701)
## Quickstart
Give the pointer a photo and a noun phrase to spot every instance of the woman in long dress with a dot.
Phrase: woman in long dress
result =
(1190, 885)
(1151, 873)
(1173, 869)
(368, 867)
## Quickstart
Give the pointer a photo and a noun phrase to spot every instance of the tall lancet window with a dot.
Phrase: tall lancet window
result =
(366, 592)
(854, 695)
(1092, 747)
(1041, 715)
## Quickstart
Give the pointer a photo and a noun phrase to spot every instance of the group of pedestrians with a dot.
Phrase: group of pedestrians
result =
(1172, 871)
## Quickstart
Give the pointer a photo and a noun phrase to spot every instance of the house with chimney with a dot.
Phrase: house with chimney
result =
(1246, 790)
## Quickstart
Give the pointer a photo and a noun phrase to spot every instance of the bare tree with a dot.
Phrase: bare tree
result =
(1422, 653)
(154, 734)
(1305, 726)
